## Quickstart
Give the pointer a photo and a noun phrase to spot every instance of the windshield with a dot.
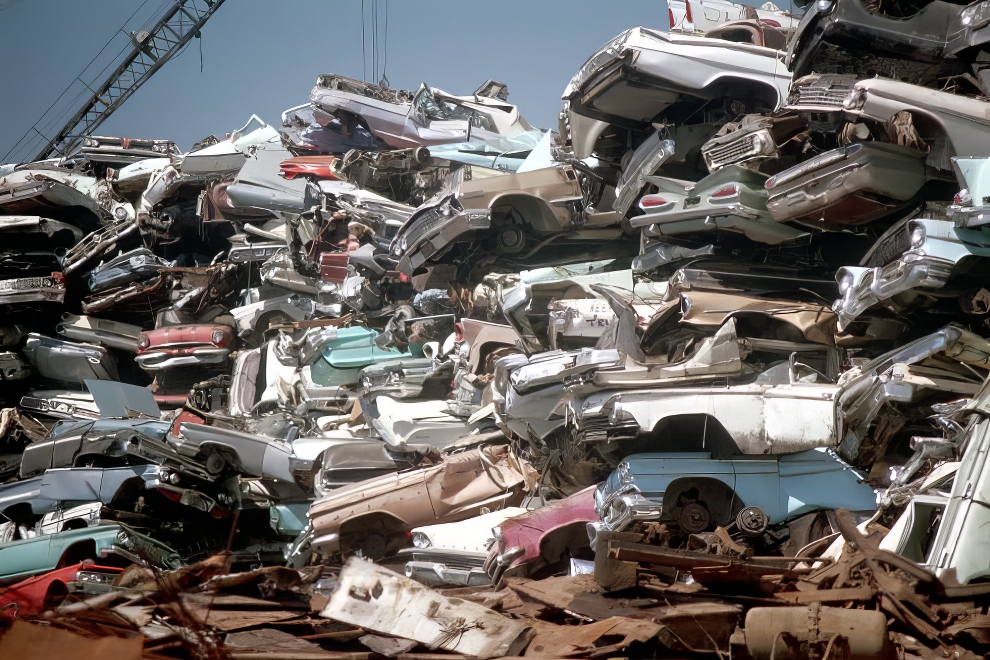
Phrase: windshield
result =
(430, 108)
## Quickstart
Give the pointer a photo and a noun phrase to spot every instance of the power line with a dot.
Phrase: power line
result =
(364, 55)
(374, 40)
(385, 66)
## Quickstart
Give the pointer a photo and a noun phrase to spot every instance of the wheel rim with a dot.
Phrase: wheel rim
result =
(694, 518)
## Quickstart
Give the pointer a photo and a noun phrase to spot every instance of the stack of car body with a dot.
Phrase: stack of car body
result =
(735, 303)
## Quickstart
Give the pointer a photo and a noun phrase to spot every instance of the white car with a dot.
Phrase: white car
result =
(644, 76)
(429, 117)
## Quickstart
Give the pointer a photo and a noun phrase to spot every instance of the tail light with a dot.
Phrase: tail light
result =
(770, 22)
(652, 202)
(726, 192)
(687, 15)
(458, 332)
(670, 17)
(655, 204)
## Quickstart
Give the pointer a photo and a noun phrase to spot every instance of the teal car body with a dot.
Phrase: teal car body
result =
(342, 359)
(46, 552)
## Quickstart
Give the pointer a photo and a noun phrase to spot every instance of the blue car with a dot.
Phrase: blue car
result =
(697, 492)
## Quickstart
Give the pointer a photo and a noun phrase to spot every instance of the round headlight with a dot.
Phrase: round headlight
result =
(918, 236)
(120, 213)
(143, 342)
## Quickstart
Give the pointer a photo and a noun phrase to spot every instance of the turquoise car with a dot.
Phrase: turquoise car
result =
(342, 359)
(46, 552)
(697, 492)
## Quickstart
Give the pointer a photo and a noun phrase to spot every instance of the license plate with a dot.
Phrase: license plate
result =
(692, 201)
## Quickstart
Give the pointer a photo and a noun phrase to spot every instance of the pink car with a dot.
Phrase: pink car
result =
(184, 345)
(527, 543)
(181, 356)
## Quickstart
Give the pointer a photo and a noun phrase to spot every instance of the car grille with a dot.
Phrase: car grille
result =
(465, 561)
(597, 428)
(725, 154)
(27, 284)
(826, 91)
(890, 248)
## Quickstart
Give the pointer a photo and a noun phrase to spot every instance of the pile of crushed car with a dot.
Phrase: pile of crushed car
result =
(705, 370)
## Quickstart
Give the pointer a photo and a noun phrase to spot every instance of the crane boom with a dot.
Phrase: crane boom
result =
(152, 48)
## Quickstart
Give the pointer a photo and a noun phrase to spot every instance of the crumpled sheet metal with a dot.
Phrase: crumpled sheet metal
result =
(708, 310)
(377, 599)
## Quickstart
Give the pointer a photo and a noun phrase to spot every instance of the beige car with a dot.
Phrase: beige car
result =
(513, 214)
(371, 515)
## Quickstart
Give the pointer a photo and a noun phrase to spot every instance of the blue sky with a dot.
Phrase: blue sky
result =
(263, 56)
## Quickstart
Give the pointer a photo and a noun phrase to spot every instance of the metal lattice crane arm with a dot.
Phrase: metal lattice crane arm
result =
(152, 48)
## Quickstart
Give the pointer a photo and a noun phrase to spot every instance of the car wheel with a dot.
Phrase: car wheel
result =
(511, 239)
(752, 521)
(694, 518)
(215, 463)
(373, 546)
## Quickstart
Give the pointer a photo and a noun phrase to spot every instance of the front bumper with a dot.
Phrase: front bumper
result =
(884, 282)
(157, 360)
(441, 575)
(620, 509)
(437, 568)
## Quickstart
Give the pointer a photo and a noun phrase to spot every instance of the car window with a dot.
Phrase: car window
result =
(742, 35)
(433, 109)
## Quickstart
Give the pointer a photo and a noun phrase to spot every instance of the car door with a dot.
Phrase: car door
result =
(20, 558)
(75, 484)
(800, 417)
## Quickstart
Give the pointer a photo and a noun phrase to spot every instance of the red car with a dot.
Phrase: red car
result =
(181, 356)
(527, 543)
(184, 345)
(309, 167)
(33, 596)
